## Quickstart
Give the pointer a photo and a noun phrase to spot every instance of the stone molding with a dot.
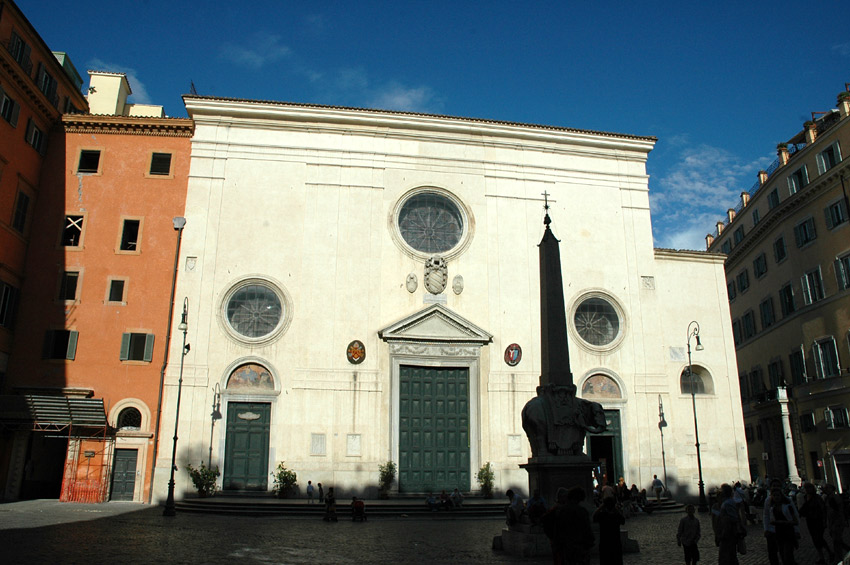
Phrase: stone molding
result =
(158, 127)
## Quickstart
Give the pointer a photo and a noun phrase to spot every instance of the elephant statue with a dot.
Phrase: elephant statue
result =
(555, 421)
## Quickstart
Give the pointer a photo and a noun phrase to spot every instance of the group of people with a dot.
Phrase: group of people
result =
(445, 501)
(630, 500)
(329, 500)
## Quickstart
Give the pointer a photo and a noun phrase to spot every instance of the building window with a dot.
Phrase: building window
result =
(759, 432)
(9, 109)
(35, 137)
(774, 373)
(807, 423)
(736, 331)
(130, 235)
(797, 360)
(129, 419)
(835, 214)
(812, 283)
(825, 354)
(254, 310)
(89, 161)
(756, 217)
(842, 271)
(8, 305)
(116, 291)
(22, 206)
(72, 233)
(701, 383)
(730, 290)
(744, 384)
(743, 280)
(160, 164)
(786, 300)
(748, 324)
(836, 417)
(779, 251)
(136, 347)
(738, 236)
(773, 199)
(757, 381)
(60, 344)
(726, 247)
(20, 52)
(317, 444)
(353, 445)
(596, 321)
(804, 232)
(748, 433)
(760, 266)
(431, 222)
(767, 314)
(47, 84)
(828, 158)
(68, 285)
(797, 180)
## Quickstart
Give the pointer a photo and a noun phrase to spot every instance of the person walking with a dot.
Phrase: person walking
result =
(330, 506)
(658, 487)
(688, 535)
(780, 520)
(309, 492)
(725, 522)
(609, 519)
(321, 494)
(835, 519)
(567, 525)
(814, 511)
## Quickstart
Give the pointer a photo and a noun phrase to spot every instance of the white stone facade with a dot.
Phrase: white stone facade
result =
(307, 199)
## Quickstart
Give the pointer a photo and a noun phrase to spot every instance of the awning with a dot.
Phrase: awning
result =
(52, 413)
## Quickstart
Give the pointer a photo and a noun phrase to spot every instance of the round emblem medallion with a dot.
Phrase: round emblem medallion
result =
(513, 355)
(356, 352)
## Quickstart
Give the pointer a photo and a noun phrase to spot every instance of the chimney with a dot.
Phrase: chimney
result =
(844, 103)
(731, 214)
(782, 153)
(108, 93)
(745, 199)
(720, 227)
(709, 239)
(762, 178)
(811, 132)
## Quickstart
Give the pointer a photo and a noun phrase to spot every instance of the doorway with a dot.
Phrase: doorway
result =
(246, 446)
(607, 448)
(124, 474)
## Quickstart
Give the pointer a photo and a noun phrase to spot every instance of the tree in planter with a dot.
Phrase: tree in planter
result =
(204, 478)
(285, 480)
(486, 479)
(386, 477)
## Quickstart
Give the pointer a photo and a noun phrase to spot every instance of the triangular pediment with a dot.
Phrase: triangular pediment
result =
(436, 323)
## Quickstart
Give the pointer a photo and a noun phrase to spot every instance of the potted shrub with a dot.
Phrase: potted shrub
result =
(284, 480)
(204, 479)
(486, 478)
(386, 477)
(782, 145)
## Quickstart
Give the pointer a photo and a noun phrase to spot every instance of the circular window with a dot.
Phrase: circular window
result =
(430, 222)
(597, 322)
(255, 311)
(129, 419)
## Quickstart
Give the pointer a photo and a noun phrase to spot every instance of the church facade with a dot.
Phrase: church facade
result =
(363, 287)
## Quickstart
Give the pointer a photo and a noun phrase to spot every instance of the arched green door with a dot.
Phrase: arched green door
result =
(433, 429)
(246, 446)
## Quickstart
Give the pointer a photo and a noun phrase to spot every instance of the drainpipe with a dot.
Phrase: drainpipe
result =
(179, 224)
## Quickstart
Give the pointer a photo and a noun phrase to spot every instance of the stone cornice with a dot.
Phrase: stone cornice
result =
(128, 125)
(688, 255)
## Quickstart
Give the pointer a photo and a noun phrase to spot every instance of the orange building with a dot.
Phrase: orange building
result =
(86, 368)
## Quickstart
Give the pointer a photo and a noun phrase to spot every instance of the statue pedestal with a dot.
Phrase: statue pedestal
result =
(551, 472)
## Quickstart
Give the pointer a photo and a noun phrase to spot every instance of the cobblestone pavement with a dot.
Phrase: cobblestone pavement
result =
(50, 532)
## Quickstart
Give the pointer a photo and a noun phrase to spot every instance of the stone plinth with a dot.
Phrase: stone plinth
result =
(551, 472)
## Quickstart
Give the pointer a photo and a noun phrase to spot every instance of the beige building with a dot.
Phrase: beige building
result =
(363, 286)
(788, 279)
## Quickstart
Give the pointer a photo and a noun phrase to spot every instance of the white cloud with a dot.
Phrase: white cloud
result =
(395, 96)
(695, 192)
(263, 49)
(140, 93)
(842, 49)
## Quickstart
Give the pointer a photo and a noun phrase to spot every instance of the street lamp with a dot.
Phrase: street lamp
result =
(183, 327)
(216, 415)
(662, 423)
(703, 505)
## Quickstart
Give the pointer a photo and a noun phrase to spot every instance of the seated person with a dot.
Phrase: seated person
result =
(536, 507)
(515, 509)
(432, 503)
(457, 498)
(358, 508)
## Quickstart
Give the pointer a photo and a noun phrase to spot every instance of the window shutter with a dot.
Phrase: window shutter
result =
(816, 354)
(16, 109)
(827, 416)
(840, 274)
(125, 347)
(39, 76)
(797, 235)
(28, 133)
(26, 58)
(842, 205)
(821, 164)
(48, 344)
(148, 347)
(834, 356)
(71, 353)
(803, 363)
(828, 215)
(807, 295)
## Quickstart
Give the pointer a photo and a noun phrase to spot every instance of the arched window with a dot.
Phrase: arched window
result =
(251, 378)
(129, 419)
(701, 383)
(601, 387)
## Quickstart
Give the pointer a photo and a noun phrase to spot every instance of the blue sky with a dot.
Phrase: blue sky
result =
(718, 83)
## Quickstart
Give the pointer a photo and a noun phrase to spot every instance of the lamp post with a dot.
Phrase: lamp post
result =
(662, 423)
(183, 327)
(693, 331)
(216, 415)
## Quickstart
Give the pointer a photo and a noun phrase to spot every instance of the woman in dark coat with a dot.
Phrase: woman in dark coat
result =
(609, 519)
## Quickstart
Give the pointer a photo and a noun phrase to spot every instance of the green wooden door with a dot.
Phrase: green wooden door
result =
(433, 429)
(124, 474)
(246, 446)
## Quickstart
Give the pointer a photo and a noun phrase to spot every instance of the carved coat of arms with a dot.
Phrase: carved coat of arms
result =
(436, 274)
